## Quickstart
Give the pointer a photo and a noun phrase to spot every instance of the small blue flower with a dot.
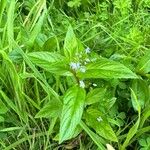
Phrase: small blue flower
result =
(87, 50)
(82, 84)
(99, 119)
(83, 69)
(74, 65)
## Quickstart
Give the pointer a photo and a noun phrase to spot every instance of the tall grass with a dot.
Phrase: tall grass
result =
(40, 97)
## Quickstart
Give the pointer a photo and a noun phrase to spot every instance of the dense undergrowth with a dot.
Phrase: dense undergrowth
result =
(74, 74)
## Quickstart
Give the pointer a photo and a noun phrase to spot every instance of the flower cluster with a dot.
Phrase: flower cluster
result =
(80, 62)
(87, 50)
(75, 66)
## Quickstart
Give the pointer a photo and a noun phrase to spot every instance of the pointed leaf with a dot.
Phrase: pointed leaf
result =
(135, 101)
(73, 104)
(96, 139)
(97, 121)
(141, 90)
(104, 68)
(134, 129)
(144, 63)
(52, 62)
(95, 95)
(72, 45)
(52, 109)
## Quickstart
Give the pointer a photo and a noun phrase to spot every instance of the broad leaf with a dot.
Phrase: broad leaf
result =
(104, 68)
(95, 95)
(144, 63)
(141, 90)
(51, 109)
(145, 143)
(52, 62)
(96, 120)
(96, 139)
(70, 44)
(50, 44)
(73, 104)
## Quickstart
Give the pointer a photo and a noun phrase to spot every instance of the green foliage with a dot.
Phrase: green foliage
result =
(74, 74)
(144, 63)
(103, 68)
(99, 123)
(144, 143)
(73, 105)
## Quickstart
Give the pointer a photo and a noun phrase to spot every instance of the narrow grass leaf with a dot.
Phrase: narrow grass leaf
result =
(2, 8)
(134, 129)
(10, 23)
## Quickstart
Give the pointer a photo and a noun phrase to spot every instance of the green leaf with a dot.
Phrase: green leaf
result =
(141, 90)
(96, 139)
(77, 131)
(135, 101)
(130, 134)
(15, 57)
(95, 95)
(51, 109)
(144, 63)
(2, 119)
(134, 129)
(52, 62)
(11, 129)
(10, 23)
(99, 123)
(2, 8)
(143, 142)
(50, 44)
(38, 23)
(73, 104)
(104, 68)
(145, 116)
(3, 108)
(71, 44)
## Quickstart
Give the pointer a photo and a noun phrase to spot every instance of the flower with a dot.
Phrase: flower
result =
(87, 50)
(74, 65)
(99, 119)
(94, 84)
(82, 84)
(82, 69)
(87, 60)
